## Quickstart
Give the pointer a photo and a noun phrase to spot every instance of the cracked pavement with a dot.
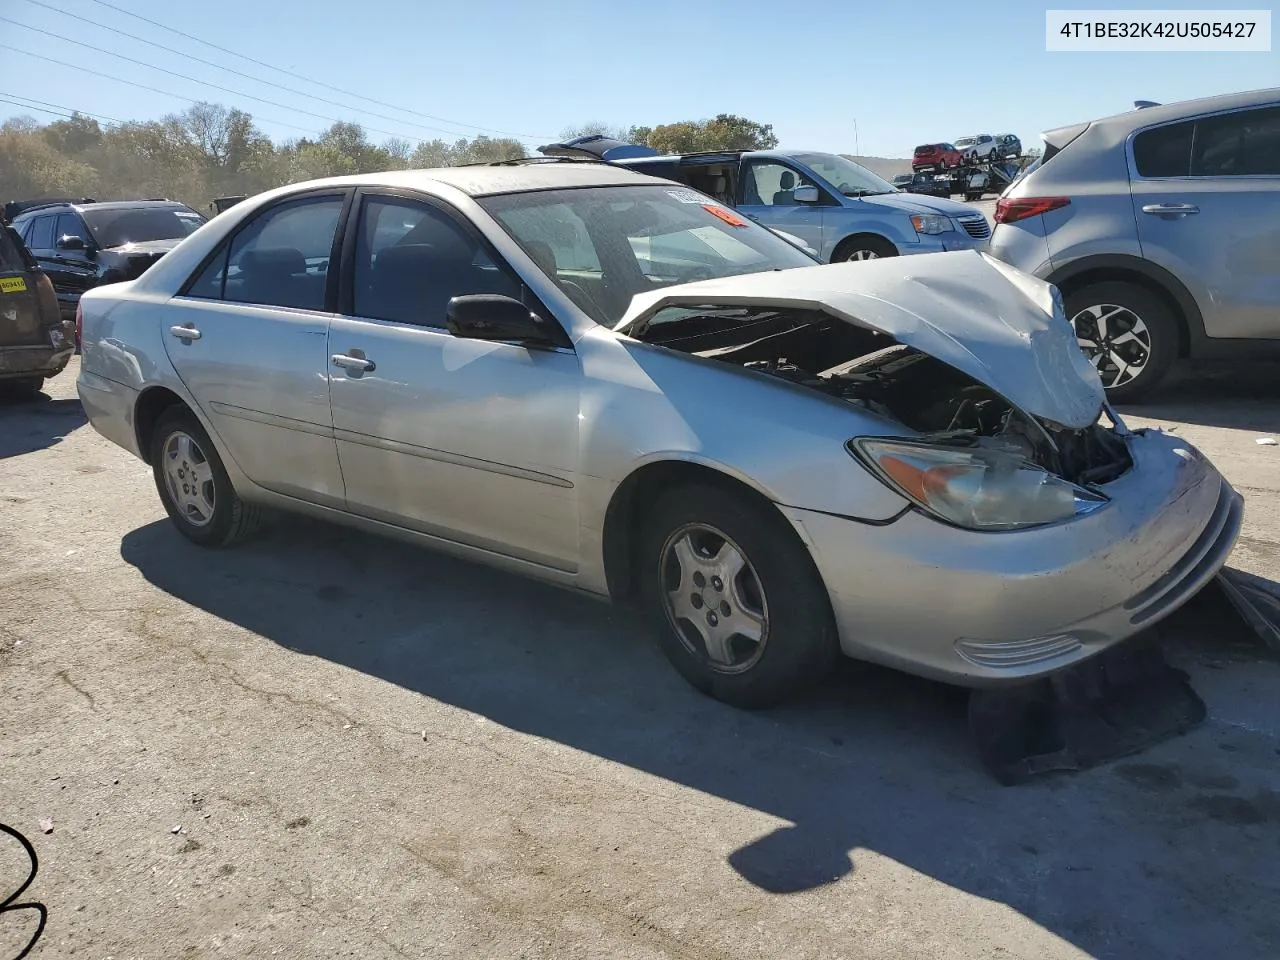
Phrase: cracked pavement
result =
(375, 751)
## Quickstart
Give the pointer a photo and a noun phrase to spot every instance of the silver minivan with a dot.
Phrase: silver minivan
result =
(1161, 228)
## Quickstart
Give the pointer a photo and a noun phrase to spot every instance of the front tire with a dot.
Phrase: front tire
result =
(1128, 333)
(193, 484)
(864, 248)
(738, 606)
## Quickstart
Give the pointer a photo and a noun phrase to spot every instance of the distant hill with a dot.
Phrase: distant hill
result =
(887, 167)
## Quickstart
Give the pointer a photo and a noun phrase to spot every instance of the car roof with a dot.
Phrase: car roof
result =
(1150, 116)
(78, 206)
(481, 180)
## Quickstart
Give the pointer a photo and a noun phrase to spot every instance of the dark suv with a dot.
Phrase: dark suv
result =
(81, 245)
(35, 343)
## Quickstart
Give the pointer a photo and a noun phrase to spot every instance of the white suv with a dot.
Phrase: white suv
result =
(980, 146)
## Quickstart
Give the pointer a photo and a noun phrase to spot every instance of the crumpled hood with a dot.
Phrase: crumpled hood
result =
(917, 203)
(1002, 327)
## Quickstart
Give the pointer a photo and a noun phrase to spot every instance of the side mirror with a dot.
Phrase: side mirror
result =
(487, 316)
(806, 194)
(70, 243)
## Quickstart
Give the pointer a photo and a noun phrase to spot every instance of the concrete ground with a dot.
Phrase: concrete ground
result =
(326, 745)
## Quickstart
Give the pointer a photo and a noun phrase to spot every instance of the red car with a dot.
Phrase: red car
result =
(940, 156)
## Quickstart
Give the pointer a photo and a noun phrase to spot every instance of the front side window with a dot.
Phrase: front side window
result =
(851, 179)
(69, 225)
(640, 238)
(281, 259)
(412, 258)
(1241, 144)
(116, 226)
(772, 185)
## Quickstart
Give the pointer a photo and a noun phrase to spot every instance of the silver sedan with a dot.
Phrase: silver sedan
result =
(615, 384)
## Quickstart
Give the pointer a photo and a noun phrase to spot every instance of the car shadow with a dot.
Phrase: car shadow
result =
(873, 764)
(37, 423)
(1237, 396)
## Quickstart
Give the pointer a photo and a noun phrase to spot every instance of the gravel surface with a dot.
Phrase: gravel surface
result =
(327, 745)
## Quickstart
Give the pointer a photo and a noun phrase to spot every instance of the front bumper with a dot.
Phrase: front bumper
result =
(981, 609)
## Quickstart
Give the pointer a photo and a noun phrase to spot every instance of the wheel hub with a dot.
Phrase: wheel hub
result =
(713, 598)
(1116, 340)
(189, 479)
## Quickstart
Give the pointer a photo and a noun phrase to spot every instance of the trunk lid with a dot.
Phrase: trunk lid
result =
(1003, 328)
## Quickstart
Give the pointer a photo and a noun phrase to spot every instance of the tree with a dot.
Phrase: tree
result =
(437, 153)
(725, 132)
(30, 166)
(596, 128)
(74, 137)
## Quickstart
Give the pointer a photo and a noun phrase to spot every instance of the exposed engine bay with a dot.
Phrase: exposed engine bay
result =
(890, 380)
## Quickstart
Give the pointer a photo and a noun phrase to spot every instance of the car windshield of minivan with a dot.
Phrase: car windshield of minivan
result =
(603, 245)
(114, 228)
(851, 179)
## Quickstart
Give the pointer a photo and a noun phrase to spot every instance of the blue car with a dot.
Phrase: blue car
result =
(840, 209)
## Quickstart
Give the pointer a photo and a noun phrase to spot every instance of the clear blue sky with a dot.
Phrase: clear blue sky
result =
(907, 73)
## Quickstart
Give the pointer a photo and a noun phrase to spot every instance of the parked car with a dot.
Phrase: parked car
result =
(903, 460)
(930, 185)
(35, 342)
(977, 148)
(902, 180)
(1008, 147)
(936, 156)
(837, 207)
(83, 244)
(1159, 225)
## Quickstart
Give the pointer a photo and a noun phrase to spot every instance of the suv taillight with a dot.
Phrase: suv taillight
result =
(1011, 211)
(79, 323)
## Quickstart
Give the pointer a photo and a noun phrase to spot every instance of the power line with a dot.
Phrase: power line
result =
(239, 73)
(25, 106)
(183, 76)
(318, 83)
(57, 107)
(132, 83)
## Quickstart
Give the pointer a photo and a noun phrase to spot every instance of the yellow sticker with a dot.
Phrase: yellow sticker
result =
(13, 285)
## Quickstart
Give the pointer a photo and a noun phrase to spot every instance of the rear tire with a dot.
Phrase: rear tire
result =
(776, 598)
(21, 388)
(868, 247)
(1129, 333)
(194, 486)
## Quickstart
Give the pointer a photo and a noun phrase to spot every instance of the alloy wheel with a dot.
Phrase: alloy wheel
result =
(864, 255)
(713, 598)
(1116, 341)
(189, 479)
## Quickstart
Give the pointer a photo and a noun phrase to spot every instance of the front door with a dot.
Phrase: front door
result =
(475, 442)
(1209, 212)
(768, 190)
(249, 338)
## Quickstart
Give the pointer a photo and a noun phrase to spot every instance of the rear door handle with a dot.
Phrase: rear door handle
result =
(185, 332)
(349, 362)
(1170, 210)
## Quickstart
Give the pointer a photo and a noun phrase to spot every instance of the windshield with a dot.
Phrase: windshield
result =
(849, 178)
(114, 227)
(966, 141)
(603, 245)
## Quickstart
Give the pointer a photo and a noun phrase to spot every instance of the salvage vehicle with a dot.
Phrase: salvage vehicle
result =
(836, 206)
(929, 184)
(83, 244)
(35, 342)
(979, 147)
(1159, 226)
(1008, 147)
(615, 384)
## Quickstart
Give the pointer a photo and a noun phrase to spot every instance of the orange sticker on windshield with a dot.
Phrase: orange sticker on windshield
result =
(732, 219)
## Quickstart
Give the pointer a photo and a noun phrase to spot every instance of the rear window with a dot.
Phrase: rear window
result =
(11, 258)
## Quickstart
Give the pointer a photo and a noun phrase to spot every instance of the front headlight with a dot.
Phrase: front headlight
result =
(975, 489)
(931, 223)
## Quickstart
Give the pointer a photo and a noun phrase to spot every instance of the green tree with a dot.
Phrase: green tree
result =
(724, 132)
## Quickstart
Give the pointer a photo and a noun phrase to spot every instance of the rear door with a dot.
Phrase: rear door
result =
(767, 187)
(248, 336)
(20, 320)
(1206, 196)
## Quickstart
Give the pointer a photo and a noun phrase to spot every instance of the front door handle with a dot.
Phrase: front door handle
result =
(186, 332)
(348, 361)
(1170, 211)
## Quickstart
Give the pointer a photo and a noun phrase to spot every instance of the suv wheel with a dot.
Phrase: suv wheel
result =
(864, 248)
(1128, 333)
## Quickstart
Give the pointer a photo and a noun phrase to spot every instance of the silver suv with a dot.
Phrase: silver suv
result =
(1161, 228)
